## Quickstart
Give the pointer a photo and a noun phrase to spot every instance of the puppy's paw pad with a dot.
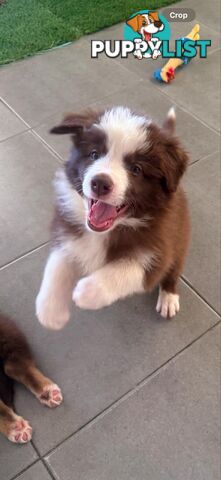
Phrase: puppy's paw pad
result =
(168, 304)
(51, 396)
(20, 431)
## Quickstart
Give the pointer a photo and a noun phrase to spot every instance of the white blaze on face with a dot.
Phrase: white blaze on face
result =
(126, 133)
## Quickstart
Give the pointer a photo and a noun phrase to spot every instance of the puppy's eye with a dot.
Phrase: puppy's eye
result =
(136, 170)
(94, 155)
(144, 23)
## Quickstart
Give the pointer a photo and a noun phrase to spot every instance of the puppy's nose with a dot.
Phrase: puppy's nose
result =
(158, 23)
(101, 185)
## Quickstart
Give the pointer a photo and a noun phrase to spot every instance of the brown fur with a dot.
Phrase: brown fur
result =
(16, 363)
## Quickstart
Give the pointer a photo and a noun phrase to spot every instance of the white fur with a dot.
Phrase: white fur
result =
(126, 132)
(54, 298)
(114, 281)
(89, 250)
(167, 304)
(172, 113)
(20, 431)
(70, 202)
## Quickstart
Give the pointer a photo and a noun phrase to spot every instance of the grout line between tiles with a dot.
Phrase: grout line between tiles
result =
(201, 297)
(214, 130)
(130, 392)
(25, 469)
(14, 111)
(15, 135)
(157, 88)
(43, 461)
(203, 158)
(47, 146)
(24, 255)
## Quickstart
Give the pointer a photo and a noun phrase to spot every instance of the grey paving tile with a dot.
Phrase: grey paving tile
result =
(166, 430)
(203, 190)
(37, 472)
(27, 169)
(100, 355)
(39, 86)
(14, 458)
(154, 104)
(9, 124)
(201, 96)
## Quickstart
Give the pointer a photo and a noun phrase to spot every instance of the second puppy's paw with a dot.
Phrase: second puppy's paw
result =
(51, 396)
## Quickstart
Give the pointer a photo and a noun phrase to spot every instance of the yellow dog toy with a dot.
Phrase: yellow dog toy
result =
(167, 73)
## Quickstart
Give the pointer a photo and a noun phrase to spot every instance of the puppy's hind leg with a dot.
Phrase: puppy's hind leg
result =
(54, 298)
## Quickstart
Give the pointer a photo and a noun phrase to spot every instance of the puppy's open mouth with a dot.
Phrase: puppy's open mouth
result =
(147, 36)
(102, 216)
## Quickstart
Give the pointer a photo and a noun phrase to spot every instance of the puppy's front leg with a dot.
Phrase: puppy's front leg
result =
(54, 298)
(114, 281)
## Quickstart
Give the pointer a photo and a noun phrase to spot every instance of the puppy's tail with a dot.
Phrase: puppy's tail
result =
(170, 122)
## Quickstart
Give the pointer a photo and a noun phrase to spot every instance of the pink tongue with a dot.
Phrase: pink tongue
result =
(147, 36)
(101, 212)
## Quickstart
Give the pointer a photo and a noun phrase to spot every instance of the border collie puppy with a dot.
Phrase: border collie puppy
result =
(17, 363)
(121, 224)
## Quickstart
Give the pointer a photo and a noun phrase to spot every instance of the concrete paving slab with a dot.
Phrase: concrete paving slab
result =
(168, 429)
(10, 124)
(15, 458)
(37, 472)
(203, 190)
(27, 170)
(100, 355)
(39, 86)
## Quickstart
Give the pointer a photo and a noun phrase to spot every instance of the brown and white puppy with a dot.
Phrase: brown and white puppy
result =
(146, 25)
(17, 363)
(121, 224)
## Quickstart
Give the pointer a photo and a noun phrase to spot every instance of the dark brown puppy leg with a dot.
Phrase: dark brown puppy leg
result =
(18, 363)
(15, 428)
(25, 372)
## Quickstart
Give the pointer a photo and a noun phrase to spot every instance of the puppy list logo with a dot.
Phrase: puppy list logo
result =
(146, 35)
(147, 30)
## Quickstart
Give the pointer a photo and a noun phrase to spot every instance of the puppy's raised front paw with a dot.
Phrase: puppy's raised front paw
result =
(90, 294)
(51, 314)
(168, 304)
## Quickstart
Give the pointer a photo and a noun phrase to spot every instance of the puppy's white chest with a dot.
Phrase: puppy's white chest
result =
(89, 251)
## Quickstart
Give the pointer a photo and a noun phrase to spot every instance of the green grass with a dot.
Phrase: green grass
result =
(30, 26)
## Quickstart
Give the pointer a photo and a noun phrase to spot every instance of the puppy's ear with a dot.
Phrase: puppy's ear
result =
(170, 123)
(154, 16)
(169, 160)
(174, 163)
(133, 23)
(74, 123)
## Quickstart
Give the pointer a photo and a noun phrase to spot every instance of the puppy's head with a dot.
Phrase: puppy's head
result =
(124, 166)
(146, 24)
